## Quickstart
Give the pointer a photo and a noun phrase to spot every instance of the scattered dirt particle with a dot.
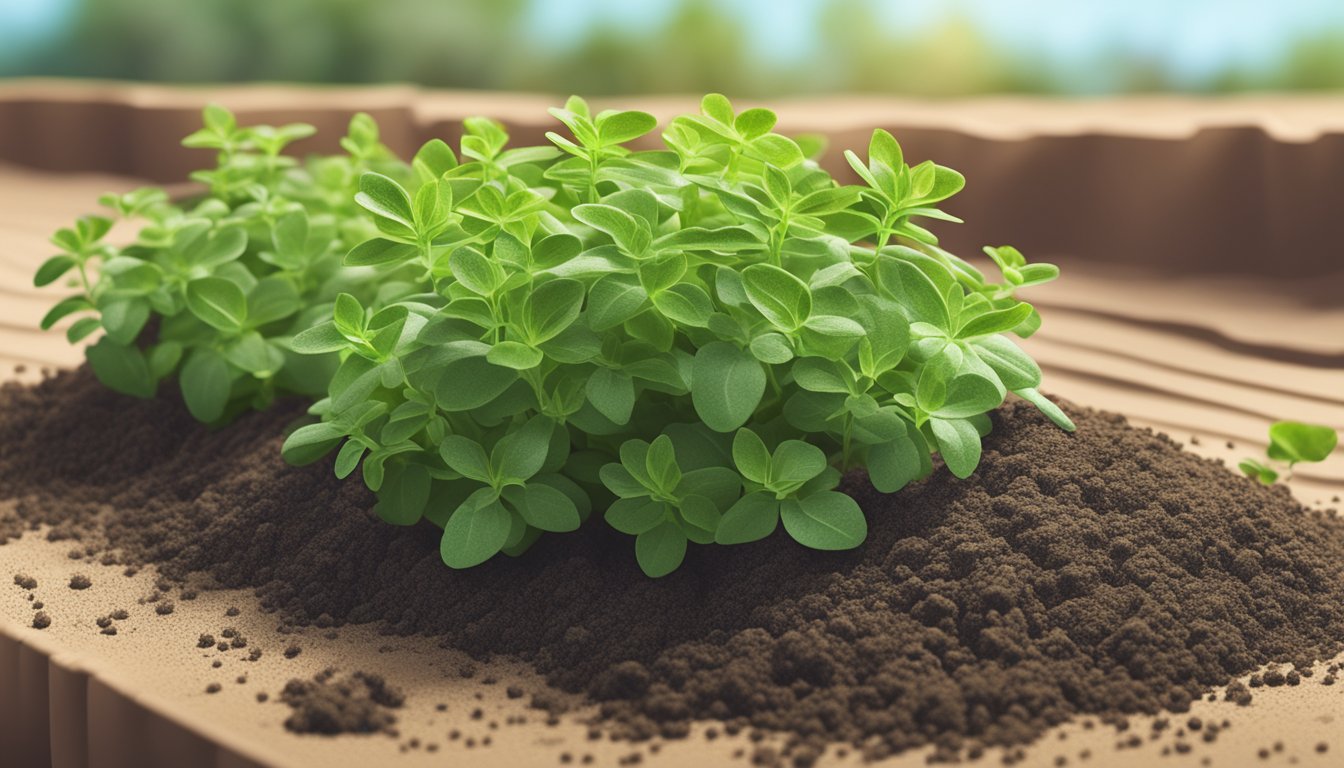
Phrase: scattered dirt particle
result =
(292, 651)
(232, 611)
(80, 581)
(263, 697)
(41, 620)
(108, 631)
(205, 641)
(213, 688)
(164, 608)
(38, 605)
(24, 581)
(358, 703)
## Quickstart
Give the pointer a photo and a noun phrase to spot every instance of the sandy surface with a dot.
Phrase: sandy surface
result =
(1213, 361)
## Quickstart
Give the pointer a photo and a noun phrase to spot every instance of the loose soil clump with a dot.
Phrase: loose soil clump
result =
(358, 703)
(1105, 572)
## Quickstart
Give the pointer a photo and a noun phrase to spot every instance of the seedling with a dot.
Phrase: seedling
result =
(1290, 442)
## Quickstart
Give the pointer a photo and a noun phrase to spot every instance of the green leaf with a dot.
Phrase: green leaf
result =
(661, 550)
(471, 382)
(893, 464)
(661, 465)
(552, 308)
(465, 457)
(349, 316)
(958, 444)
(311, 442)
(272, 299)
(752, 518)
(218, 302)
(751, 456)
(53, 269)
(1255, 469)
(884, 149)
(521, 453)
(206, 383)
(685, 303)
(347, 459)
(319, 339)
(1015, 369)
(628, 233)
(828, 520)
(782, 298)
(380, 251)
(81, 328)
(726, 385)
(794, 463)
(614, 299)
(515, 355)
(771, 349)
(996, 321)
(633, 516)
(1293, 441)
(124, 319)
(620, 127)
(754, 123)
(474, 271)
(544, 507)
(476, 532)
(64, 308)
(385, 198)
(404, 494)
(612, 393)
(1043, 403)
(121, 368)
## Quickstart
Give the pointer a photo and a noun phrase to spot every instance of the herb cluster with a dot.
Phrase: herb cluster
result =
(697, 341)
(226, 278)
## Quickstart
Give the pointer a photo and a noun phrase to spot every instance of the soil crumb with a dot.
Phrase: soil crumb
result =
(1101, 573)
(358, 703)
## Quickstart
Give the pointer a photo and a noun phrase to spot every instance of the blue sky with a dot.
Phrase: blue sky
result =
(1194, 36)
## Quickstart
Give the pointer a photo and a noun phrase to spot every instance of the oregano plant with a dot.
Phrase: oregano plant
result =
(221, 279)
(697, 341)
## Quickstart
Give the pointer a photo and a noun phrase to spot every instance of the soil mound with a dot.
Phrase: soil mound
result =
(1104, 572)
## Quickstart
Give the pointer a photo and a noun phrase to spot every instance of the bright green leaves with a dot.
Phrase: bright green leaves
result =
(825, 520)
(552, 308)
(793, 484)
(699, 339)
(662, 506)
(218, 303)
(476, 532)
(205, 382)
(780, 297)
(388, 202)
(515, 497)
(1291, 442)
(727, 383)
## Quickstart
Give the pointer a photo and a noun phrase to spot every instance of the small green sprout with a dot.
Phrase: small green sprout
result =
(1290, 442)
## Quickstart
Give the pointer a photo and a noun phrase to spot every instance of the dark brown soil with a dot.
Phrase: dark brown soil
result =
(359, 703)
(1102, 573)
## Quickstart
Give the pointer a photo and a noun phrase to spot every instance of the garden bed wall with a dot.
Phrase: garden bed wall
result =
(1190, 185)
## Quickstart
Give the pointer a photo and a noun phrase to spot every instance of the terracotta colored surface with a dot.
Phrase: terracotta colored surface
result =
(1213, 357)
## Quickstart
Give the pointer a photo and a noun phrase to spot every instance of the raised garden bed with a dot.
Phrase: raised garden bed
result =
(939, 557)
